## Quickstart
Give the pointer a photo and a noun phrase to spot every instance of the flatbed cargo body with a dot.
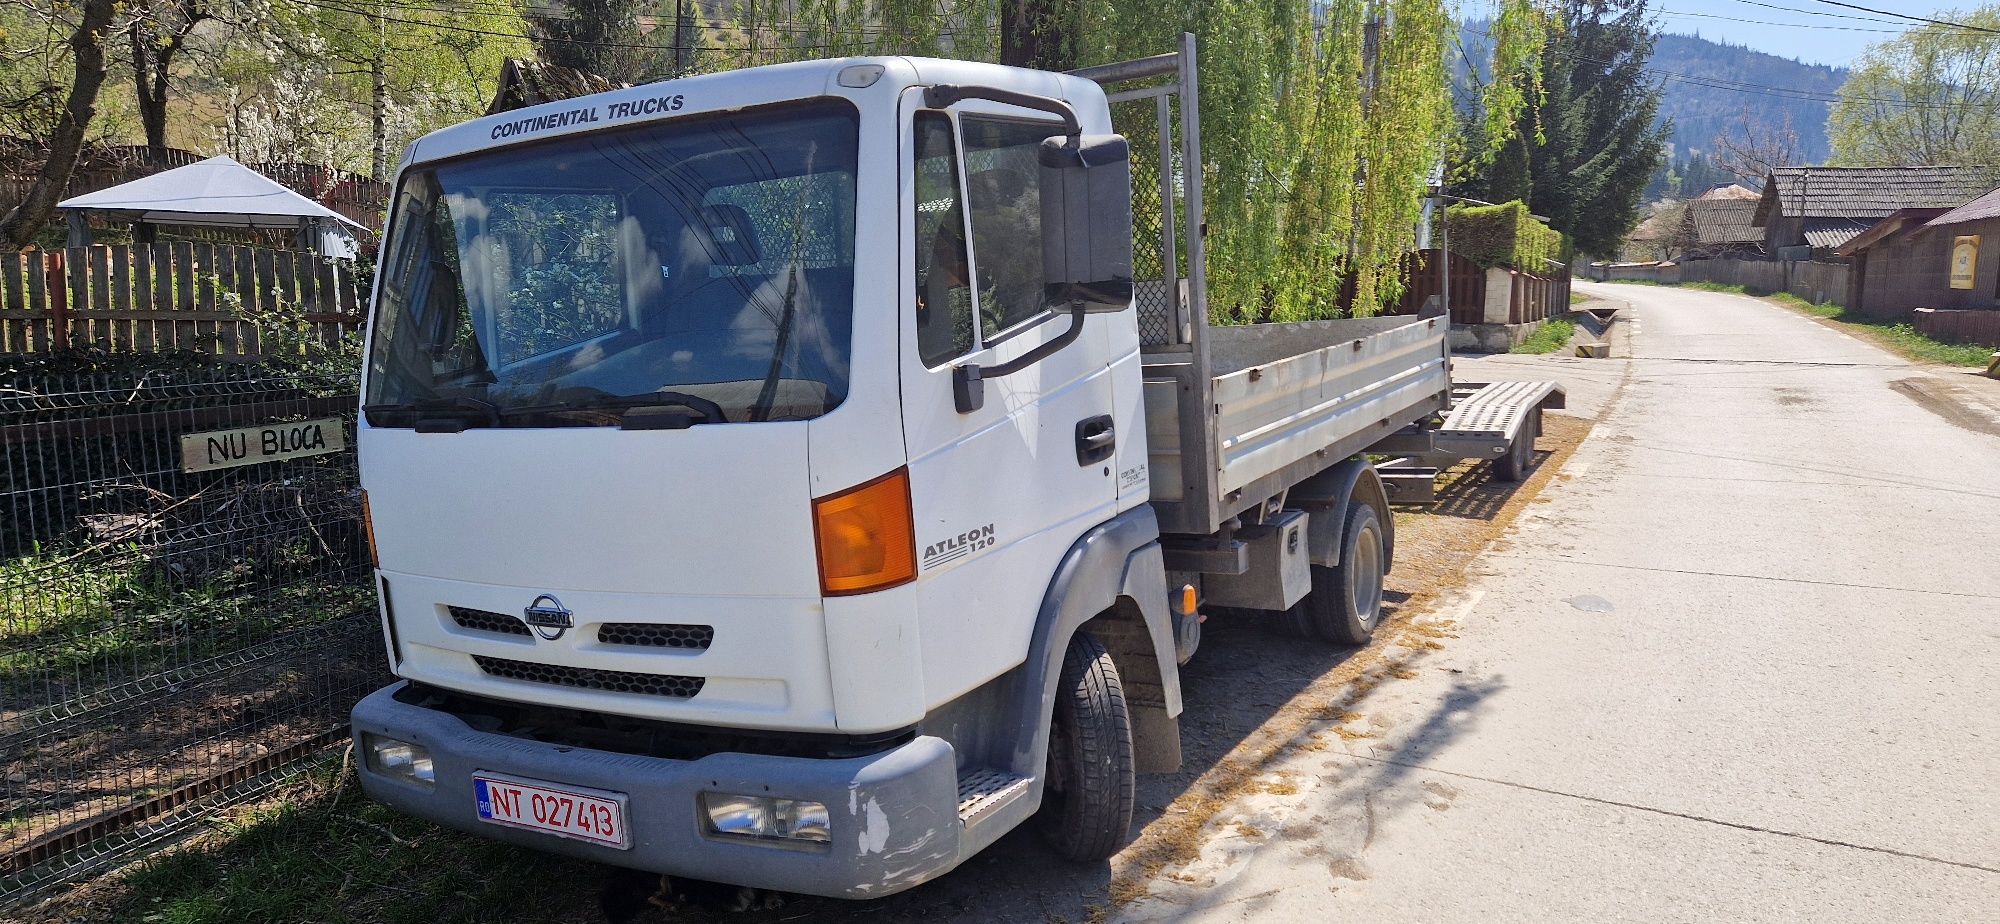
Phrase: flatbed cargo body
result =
(1274, 404)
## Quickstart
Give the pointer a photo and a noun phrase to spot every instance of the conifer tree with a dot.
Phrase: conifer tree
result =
(1585, 150)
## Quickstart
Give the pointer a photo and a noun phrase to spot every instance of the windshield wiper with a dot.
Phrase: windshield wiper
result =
(659, 410)
(438, 415)
(768, 395)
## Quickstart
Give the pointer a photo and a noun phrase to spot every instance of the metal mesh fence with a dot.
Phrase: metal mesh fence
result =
(169, 638)
(1154, 290)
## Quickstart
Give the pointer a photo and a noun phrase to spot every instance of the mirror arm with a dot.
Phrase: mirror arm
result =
(968, 381)
(945, 95)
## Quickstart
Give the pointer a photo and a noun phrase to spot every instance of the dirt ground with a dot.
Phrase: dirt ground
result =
(1251, 694)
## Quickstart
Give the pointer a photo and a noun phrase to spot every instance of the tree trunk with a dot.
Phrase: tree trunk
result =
(149, 85)
(21, 223)
(378, 107)
(1036, 33)
(378, 99)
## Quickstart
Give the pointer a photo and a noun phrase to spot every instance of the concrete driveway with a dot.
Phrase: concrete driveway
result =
(1741, 663)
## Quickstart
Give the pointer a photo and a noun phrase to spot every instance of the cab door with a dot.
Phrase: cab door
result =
(1001, 492)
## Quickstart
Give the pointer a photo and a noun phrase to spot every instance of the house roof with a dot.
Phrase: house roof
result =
(1833, 232)
(1866, 192)
(1902, 223)
(1728, 191)
(1724, 221)
(525, 82)
(217, 191)
(1980, 209)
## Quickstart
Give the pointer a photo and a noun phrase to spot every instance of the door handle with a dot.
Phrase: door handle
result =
(1095, 439)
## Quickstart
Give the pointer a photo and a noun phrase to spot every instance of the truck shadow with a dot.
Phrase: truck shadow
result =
(1244, 676)
(1474, 494)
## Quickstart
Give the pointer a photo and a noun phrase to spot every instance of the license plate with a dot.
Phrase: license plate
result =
(592, 815)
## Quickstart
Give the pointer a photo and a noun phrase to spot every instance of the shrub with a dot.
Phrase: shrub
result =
(1503, 235)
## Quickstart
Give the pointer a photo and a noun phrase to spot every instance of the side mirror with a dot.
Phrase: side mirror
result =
(1086, 246)
(1087, 222)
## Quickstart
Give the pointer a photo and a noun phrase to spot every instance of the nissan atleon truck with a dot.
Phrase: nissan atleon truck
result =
(786, 477)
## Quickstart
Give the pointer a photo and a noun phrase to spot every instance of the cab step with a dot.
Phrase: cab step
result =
(981, 791)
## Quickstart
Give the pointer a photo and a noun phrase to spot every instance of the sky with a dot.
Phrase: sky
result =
(1808, 30)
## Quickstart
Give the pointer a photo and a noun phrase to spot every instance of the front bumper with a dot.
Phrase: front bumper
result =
(894, 814)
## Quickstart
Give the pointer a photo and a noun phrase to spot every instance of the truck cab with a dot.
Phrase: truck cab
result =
(744, 456)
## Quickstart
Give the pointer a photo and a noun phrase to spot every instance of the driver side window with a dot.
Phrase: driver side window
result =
(557, 253)
(944, 285)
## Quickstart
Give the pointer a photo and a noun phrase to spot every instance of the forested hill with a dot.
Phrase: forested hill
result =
(1699, 113)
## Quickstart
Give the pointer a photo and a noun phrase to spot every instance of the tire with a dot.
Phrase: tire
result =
(1345, 603)
(1087, 804)
(1520, 457)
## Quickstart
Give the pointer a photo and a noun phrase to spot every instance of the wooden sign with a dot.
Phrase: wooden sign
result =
(1964, 260)
(201, 452)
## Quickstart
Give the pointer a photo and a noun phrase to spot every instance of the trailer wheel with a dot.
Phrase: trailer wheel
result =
(1346, 602)
(1520, 457)
(1087, 804)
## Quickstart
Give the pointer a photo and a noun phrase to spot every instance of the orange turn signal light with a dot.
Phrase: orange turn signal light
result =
(865, 537)
(368, 528)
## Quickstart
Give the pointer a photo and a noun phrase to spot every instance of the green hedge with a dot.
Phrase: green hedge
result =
(1503, 235)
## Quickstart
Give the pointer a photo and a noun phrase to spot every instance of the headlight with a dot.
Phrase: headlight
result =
(767, 818)
(401, 759)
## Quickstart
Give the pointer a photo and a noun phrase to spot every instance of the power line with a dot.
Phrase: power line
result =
(1791, 25)
(1936, 22)
(1820, 13)
(1721, 83)
(792, 28)
(787, 26)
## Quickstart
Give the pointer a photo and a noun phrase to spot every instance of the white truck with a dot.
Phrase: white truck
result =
(772, 481)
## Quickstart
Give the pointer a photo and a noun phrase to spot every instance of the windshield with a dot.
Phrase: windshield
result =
(699, 269)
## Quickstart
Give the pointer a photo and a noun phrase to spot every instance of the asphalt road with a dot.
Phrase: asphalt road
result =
(1741, 663)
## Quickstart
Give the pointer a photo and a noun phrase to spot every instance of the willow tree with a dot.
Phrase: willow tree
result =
(1928, 96)
(1323, 119)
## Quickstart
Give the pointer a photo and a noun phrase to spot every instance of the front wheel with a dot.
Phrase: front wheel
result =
(1345, 602)
(1087, 803)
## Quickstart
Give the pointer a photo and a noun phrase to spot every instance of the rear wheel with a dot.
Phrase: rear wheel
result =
(1520, 457)
(1087, 805)
(1346, 602)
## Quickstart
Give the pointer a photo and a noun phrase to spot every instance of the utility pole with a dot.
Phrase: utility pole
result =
(1444, 248)
(683, 39)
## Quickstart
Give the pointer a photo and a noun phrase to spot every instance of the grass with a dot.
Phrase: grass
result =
(69, 614)
(1897, 337)
(1553, 335)
(1901, 338)
(320, 850)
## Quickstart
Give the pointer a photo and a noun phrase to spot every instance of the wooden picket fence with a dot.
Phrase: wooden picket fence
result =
(1535, 298)
(181, 295)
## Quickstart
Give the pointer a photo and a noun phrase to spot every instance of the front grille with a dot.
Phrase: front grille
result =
(591, 679)
(651, 635)
(484, 621)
